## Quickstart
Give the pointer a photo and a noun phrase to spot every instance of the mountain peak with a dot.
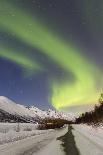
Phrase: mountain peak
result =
(10, 107)
(3, 98)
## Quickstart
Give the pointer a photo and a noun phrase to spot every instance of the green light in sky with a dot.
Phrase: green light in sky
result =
(20, 59)
(27, 28)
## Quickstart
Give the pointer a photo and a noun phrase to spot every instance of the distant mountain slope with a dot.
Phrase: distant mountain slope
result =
(12, 112)
(13, 108)
(51, 113)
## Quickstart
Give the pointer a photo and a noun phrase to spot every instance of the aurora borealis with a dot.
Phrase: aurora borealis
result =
(68, 75)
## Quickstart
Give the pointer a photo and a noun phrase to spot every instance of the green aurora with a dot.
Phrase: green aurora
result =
(83, 90)
(20, 59)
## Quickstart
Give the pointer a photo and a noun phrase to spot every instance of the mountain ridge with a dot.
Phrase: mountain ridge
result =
(10, 111)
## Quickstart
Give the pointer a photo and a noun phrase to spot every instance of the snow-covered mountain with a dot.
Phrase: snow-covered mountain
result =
(51, 113)
(13, 111)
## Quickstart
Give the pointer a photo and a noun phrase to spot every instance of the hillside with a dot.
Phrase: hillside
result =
(12, 112)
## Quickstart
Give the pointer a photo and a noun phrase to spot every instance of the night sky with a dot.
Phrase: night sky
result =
(51, 52)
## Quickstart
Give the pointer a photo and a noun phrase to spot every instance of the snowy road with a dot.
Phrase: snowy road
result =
(88, 140)
(36, 145)
(76, 140)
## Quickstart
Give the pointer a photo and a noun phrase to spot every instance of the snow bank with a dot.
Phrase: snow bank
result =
(94, 133)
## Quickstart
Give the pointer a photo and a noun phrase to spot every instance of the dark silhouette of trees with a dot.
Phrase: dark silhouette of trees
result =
(94, 117)
(52, 123)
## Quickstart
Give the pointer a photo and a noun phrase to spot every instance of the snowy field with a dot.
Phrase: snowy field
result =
(10, 132)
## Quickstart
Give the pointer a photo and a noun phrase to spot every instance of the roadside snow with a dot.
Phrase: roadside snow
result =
(6, 127)
(10, 132)
(42, 144)
(89, 140)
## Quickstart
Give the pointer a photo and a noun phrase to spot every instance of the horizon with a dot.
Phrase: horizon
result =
(76, 110)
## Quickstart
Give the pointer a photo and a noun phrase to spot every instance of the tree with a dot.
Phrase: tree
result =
(101, 99)
(94, 117)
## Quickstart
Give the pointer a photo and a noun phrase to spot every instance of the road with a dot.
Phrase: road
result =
(35, 145)
(87, 142)
(66, 141)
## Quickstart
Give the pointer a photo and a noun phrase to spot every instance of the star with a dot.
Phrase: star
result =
(31, 79)
(21, 91)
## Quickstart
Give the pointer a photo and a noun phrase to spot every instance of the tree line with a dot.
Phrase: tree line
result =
(94, 117)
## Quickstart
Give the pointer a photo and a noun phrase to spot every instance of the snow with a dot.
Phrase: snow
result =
(51, 113)
(6, 127)
(55, 146)
(89, 140)
(14, 134)
(38, 145)
(10, 132)
(16, 109)
(13, 108)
